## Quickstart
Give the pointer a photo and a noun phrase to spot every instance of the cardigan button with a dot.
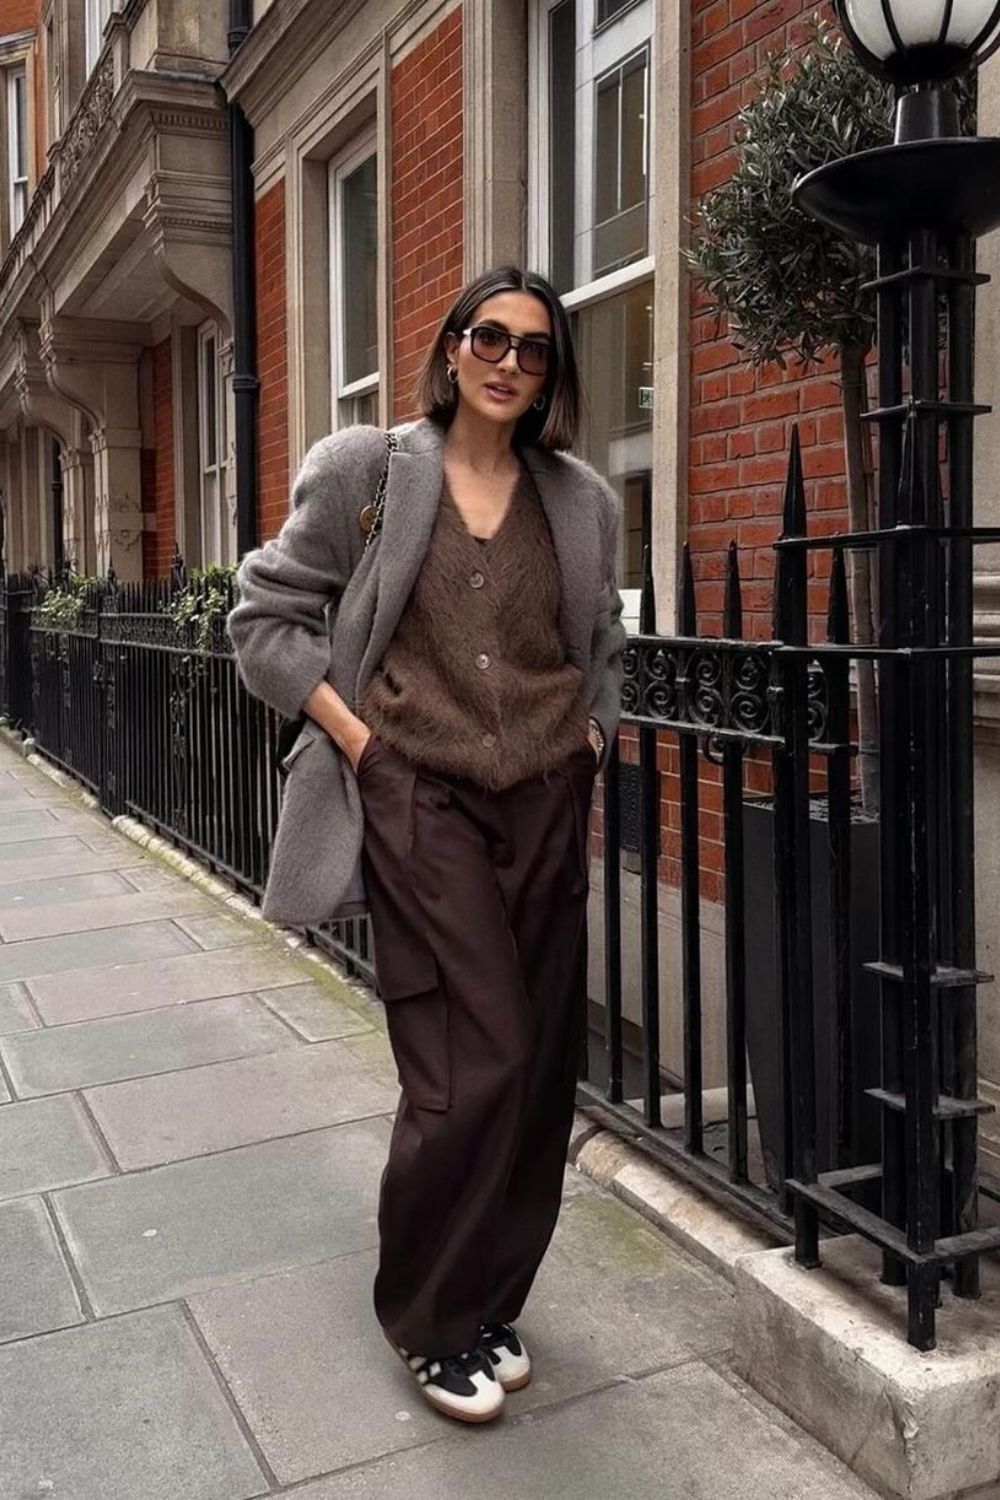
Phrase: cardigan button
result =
(482, 661)
(477, 580)
(489, 740)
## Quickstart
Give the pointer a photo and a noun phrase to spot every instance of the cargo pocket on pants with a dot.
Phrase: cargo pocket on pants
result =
(407, 978)
(418, 1032)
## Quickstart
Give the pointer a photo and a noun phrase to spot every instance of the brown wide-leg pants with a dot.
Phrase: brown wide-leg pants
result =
(478, 902)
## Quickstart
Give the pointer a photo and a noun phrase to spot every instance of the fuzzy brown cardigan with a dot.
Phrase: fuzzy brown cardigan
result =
(316, 606)
(475, 682)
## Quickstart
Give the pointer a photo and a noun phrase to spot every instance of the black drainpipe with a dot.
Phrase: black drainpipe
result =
(245, 382)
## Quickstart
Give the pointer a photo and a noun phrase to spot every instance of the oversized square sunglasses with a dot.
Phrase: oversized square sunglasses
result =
(492, 345)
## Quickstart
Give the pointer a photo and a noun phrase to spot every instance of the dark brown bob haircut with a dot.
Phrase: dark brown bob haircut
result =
(556, 426)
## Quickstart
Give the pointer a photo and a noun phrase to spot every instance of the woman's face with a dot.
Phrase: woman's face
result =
(500, 390)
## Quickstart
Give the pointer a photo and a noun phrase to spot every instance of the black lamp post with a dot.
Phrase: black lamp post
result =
(923, 201)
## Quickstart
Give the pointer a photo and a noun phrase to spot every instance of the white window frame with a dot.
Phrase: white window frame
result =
(96, 16)
(218, 525)
(342, 392)
(18, 189)
(599, 50)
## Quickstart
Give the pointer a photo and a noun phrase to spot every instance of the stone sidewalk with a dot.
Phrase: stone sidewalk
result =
(191, 1135)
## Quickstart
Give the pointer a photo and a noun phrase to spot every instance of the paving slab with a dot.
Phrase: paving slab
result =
(5, 1094)
(39, 825)
(151, 1120)
(171, 981)
(14, 794)
(315, 1012)
(16, 1010)
(218, 929)
(36, 1289)
(47, 1143)
(614, 1299)
(101, 843)
(96, 914)
(60, 889)
(76, 859)
(176, 1230)
(124, 1410)
(306, 1361)
(53, 850)
(153, 877)
(686, 1434)
(85, 1053)
(86, 950)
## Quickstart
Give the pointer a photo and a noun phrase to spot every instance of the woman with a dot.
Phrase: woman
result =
(460, 678)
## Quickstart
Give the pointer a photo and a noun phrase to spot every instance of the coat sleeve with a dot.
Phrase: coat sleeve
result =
(610, 634)
(279, 628)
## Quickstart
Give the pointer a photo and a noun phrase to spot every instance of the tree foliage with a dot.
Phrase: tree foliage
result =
(786, 283)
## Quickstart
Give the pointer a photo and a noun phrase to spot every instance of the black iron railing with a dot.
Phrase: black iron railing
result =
(142, 702)
(17, 595)
(741, 752)
(712, 709)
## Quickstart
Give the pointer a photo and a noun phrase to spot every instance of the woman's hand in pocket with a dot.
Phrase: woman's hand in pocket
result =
(349, 733)
(355, 747)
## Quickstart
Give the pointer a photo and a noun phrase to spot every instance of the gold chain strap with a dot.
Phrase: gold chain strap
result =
(371, 516)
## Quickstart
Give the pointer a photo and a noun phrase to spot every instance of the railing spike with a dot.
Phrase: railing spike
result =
(732, 609)
(917, 495)
(838, 623)
(647, 604)
(688, 612)
(793, 522)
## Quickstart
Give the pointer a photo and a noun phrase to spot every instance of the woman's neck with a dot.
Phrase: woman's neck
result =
(480, 445)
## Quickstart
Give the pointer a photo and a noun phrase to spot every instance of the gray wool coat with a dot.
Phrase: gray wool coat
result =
(314, 604)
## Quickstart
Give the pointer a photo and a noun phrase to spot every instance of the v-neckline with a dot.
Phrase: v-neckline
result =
(486, 541)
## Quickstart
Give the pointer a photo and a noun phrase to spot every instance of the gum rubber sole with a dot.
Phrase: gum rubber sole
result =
(428, 1395)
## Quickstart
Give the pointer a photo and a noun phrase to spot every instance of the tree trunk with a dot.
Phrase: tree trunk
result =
(857, 448)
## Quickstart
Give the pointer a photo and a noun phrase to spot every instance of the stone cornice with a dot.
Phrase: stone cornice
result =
(146, 103)
(307, 17)
(15, 47)
(172, 101)
(98, 342)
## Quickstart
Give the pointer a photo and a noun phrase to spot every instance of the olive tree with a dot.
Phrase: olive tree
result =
(791, 289)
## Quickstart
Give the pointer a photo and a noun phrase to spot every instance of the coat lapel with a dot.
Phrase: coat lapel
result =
(413, 490)
(575, 534)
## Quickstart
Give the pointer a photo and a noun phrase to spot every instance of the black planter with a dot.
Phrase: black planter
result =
(762, 988)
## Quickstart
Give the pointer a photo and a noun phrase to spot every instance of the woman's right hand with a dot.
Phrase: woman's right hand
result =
(349, 733)
(355, 747)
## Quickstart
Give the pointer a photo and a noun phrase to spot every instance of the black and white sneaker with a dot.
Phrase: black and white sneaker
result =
(507, 1355)
(460, 1385)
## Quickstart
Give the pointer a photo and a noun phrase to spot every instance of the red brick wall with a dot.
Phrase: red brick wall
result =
(18, 15)
(272, 362)
(741, 419)
(147, 484)
(426, 202)
(158, 467)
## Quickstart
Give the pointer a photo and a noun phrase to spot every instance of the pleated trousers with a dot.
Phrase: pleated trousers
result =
(478, 902)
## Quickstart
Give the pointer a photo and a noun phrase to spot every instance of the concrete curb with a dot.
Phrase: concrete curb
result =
(679, 1210)
(687, 1216)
